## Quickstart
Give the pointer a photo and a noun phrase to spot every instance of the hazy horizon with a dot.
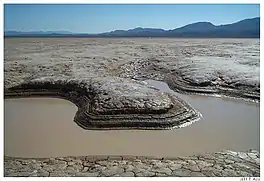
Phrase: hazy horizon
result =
(98, 18)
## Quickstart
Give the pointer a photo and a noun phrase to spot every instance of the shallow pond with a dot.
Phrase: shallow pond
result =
(44, 127)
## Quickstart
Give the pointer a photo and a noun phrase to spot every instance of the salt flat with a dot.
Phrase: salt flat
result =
(230, 63)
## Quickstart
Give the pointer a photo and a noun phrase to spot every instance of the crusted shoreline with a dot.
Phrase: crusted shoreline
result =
(150, 69)
(153, 110)
(219, 164)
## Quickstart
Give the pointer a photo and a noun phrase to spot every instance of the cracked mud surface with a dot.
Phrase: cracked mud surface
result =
(220, 164)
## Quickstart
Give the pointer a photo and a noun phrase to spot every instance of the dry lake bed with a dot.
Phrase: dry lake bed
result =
(131, 107)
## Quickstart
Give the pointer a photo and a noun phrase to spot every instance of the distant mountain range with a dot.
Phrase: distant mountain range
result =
(248, 28)
(15, 33)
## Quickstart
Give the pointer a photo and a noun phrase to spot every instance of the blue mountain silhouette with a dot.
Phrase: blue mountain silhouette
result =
(248, 28)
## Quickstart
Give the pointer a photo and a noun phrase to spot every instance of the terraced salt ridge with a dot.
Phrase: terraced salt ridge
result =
(108, 103)
(213, 85)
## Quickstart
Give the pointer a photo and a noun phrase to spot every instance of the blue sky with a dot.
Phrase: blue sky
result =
(93, 18)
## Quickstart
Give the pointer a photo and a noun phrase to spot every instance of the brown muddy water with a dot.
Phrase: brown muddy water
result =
(44, 127)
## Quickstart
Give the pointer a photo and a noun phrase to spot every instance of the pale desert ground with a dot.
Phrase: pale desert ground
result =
(212, 83)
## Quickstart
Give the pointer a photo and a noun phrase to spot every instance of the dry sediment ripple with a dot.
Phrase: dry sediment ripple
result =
(220, 164)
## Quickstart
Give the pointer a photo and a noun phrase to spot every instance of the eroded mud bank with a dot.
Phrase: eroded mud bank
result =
(112, 103)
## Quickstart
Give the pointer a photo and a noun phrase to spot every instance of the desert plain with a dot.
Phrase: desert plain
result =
(211, 94)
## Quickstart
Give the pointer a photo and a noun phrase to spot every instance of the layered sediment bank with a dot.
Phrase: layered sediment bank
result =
(112, 103)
